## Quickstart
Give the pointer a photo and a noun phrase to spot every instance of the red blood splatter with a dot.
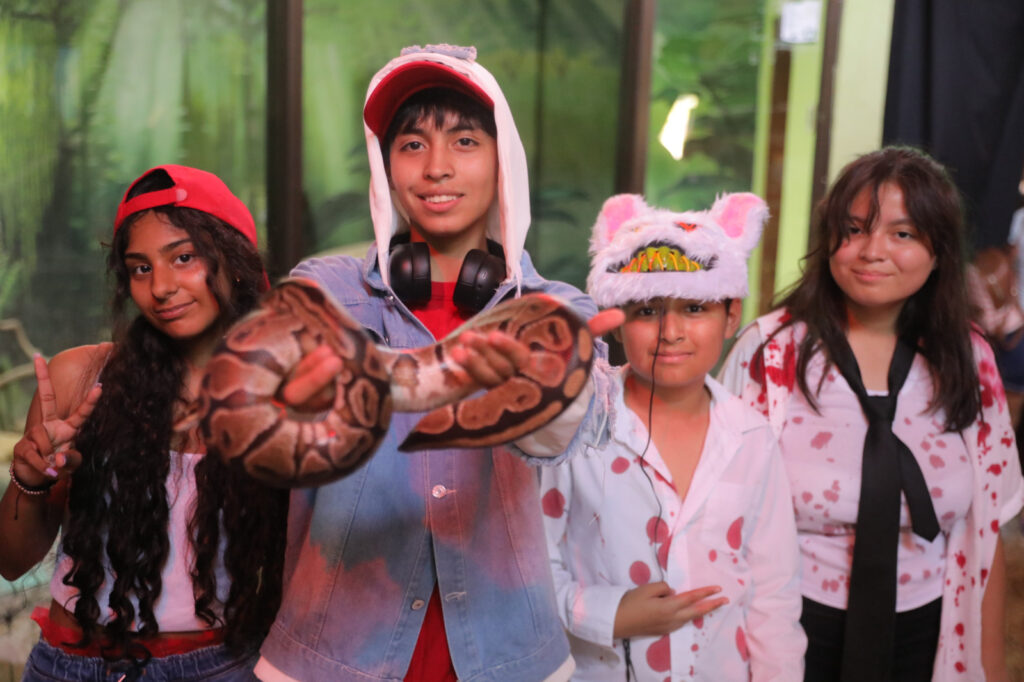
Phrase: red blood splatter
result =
(741, 645)
(553, 503)
(936, 462)
(983, 431)
(936, 492)
(806, 496)
(904, 579)
(821, 439)
(1006, 441)
(659, 655)
(995, 469)
(657, 529)
(960, 667)
(926, 446)
(786, 375)
(640, 573)
(831, 495)
(798, 420)
(619, 465)
(712, 555)
(961, 560)
(995, 526)
(698, 622)
(984, 574)
(733, 535)
(694, 647)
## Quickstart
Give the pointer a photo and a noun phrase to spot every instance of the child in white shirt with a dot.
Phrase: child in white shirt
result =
(670, 528)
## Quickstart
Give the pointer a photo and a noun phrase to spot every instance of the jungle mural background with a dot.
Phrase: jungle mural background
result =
(93, 92)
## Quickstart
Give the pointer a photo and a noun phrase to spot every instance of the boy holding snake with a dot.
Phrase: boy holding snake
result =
(430, 565)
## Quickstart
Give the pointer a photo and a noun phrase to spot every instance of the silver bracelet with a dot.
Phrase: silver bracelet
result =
(30, 489)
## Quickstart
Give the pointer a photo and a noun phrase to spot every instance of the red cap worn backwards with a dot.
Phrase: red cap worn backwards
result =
(408, 79)
(193, 188)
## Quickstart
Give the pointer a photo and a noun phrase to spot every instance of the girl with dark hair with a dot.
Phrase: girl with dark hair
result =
(169, 563)
(894, 428)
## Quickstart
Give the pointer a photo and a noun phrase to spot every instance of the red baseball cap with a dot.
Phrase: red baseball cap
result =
(408, 79)
(193, 188)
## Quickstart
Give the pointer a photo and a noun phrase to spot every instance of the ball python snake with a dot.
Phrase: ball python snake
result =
(243, 418)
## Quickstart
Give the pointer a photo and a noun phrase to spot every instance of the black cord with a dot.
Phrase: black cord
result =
(643, 468)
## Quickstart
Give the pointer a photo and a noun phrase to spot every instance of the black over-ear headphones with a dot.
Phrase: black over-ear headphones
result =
(479, 276)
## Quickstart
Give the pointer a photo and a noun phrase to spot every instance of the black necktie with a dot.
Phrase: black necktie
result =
(888, 467)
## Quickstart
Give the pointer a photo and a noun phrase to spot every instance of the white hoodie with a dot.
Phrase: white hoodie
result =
(509, 218)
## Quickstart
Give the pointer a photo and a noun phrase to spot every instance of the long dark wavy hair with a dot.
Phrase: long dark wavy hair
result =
(938, 315)
(118, 508)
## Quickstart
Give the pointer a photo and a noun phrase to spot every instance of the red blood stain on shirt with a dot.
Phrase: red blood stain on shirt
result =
(741, 645)
(961, 560)
(995, 526)
(784, 376)
(821, 439)
(995, 469)
(798, 420)
(734, 535)
(657, 529)
(694, 647)
(936, 462)
(904, 579)
(960, 667)
(659, 655)
(640, 573)
(553, 503)
(712, 555)
(619, 465)
(984, 429)
(936, 492)
(806, 496)
(926, 446)
(698, 622)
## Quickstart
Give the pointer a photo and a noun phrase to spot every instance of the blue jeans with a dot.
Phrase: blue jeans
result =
(47, 663)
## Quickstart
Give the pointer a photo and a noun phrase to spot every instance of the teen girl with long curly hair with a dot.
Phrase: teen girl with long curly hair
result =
(169, 562)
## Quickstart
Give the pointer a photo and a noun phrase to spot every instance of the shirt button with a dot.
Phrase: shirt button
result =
(439, 491)
(417, 604)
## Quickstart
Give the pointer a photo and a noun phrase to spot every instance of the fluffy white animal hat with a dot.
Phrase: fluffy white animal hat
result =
(639, 252)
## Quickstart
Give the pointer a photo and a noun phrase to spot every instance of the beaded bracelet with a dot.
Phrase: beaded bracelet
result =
(30, 489)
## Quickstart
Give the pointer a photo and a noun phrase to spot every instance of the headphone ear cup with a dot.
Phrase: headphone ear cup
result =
(409, 266)
(479, 277)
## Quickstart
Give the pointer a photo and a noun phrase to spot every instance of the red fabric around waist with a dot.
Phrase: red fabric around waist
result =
(64, 638)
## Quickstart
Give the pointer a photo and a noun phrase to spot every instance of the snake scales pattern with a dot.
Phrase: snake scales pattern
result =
(243, 418)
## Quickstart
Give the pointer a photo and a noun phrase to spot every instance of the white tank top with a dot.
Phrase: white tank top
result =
(175, 609)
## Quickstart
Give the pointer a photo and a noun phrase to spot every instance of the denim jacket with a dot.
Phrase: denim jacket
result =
(365, 552)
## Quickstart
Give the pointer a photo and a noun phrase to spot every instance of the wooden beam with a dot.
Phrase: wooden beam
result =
(285, 204)
(634, 96)
(823, 134)
(773, 176)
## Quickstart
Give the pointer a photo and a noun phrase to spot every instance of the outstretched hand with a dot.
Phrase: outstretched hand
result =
(45, 451)
(655, 609)
(487, 359)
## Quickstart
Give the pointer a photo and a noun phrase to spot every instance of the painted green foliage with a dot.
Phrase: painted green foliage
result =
(93, 92)
(709, 48)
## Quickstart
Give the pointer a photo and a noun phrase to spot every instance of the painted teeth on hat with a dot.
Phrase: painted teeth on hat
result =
(662, 259)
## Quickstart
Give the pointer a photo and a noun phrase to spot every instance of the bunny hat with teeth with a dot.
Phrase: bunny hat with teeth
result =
(639, 252)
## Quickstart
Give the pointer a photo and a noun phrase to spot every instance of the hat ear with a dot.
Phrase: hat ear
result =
(616, 211)
(742, 216)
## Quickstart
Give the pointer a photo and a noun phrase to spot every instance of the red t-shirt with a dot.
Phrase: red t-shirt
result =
(431, 661)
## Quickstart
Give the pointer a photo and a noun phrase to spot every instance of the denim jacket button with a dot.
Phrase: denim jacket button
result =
(439, 491)
(417, 604)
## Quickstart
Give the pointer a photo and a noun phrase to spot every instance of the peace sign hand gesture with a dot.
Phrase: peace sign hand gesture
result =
(45, 452)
